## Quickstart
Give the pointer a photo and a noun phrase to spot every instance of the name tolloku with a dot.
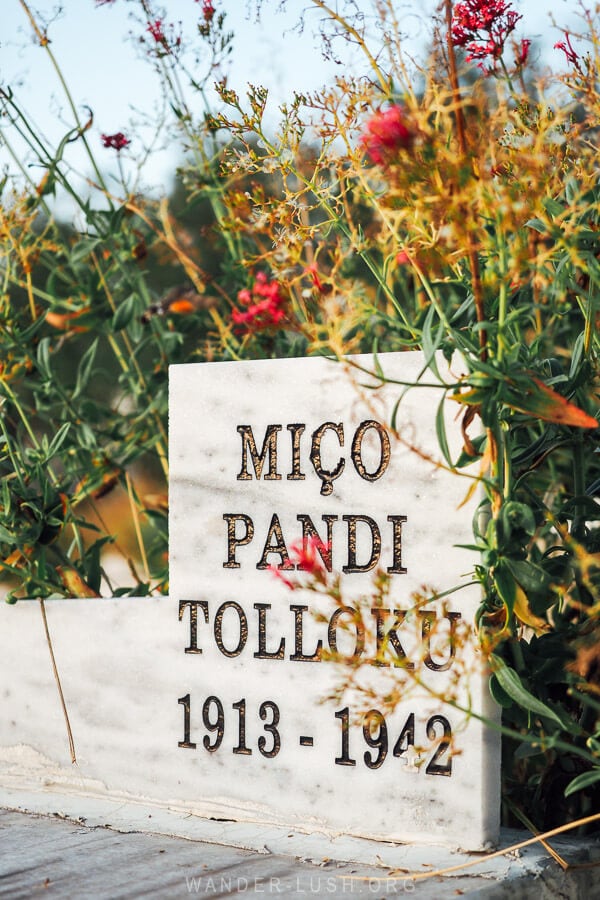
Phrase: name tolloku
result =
(251, 632)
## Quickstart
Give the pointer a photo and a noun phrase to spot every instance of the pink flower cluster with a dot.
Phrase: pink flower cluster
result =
(168, 44)
(481, 27)
(310, 555)
(386, 134)
(208, 10)
(116, 141)
(264, 305)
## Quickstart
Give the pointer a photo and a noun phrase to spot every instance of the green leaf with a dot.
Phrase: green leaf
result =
(511, 683)
(505, 585)
(6, 536)
(499, 695)
(57, 440)
(537, 225)
(84, 370)
(440, 429)
(582, 781)
(531, 576)
(553, 207)
(572, 190)
(83, 248)
(43, 358)
(431, 343)
(527, 749)
(516, 515)
(576, 355)
(125, 313)
(585, 699)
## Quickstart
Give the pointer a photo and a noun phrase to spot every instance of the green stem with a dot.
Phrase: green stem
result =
(589, 323)
(45, 43)
(578, 527)
(8, 446)
(502, 292)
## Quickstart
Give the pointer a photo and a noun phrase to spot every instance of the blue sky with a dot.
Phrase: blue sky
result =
(96, 47)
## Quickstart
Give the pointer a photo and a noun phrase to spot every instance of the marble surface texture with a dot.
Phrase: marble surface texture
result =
(389, 508)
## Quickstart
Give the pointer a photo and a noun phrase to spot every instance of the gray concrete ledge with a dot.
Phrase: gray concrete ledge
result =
(58, 857)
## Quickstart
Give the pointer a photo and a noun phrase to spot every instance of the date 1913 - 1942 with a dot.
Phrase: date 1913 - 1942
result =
(407, 746)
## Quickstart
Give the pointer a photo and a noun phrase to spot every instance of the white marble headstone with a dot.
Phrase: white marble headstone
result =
(325, 709)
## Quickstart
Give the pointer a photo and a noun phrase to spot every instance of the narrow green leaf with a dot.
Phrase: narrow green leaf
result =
(527, 749)
(440, 428)
(505, 585)
(431, 343)
(43, 357)
(582, 781)
(58, 440)
(83, 248)
(576, 356)
(499, 695)
(572, 190)
(510, 682)
(84, 370)
(584, 698)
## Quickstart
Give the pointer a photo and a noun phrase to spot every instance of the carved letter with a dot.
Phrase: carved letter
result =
(359, 644)
(299, 655)
(279, 547)
(384, 638)
(193, 605)
(326, 476)
(397, 568)
(296, 432)
(263, 653)
(375, 544)
(309, 531)
(230, 604)
(233, 541)
(258, 461)
(428, 619)
(384, 440)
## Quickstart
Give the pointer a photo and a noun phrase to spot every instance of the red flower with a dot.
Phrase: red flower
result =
(116, 141)
(386, 134)
(156, 30)
(567, 49)
(313, 271)
(523, 53)
(311, 555)
(264, 305)
(208, 10)
(168, 44)
(481, 27)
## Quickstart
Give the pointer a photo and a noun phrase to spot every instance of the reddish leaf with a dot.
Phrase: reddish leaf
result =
(539, 400)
